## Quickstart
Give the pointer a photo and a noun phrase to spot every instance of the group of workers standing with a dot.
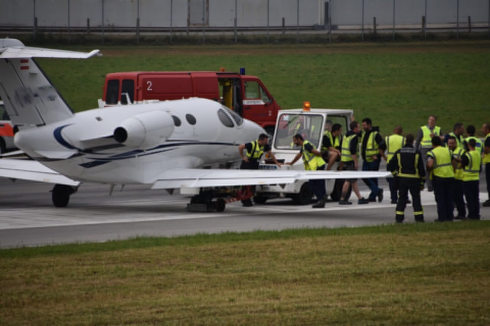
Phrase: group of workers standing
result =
(449, 164)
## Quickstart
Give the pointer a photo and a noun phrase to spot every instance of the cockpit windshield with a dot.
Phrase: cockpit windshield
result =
(238, 119)
(309, 126)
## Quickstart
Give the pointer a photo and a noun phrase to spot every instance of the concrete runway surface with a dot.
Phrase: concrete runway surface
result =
(27, 217)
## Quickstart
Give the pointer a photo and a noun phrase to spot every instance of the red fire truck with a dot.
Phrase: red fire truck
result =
(244, 94)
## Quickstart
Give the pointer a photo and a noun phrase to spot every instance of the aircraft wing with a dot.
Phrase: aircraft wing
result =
(202, 178)
(22, 52)
(32, 170)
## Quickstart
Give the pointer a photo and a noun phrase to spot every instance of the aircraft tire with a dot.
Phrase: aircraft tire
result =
(61, 195)
(260, 200)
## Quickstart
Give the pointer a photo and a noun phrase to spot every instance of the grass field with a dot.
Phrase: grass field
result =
(414, 274)
(393, 83)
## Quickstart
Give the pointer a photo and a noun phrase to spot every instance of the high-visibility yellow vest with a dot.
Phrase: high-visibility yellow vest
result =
(471, 172)
(458, 173)
(371, 145)
(426, 141)
(346, 155)
(334, 141)
(257, 150)
(393, 143)
(310, 160)
(479, 143)
(442, 168)
(486, 157)
(459, 144)
(330, 137)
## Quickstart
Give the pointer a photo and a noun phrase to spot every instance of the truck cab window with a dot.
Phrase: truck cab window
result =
(127, 88)
(264, 96)
(112, 92)
(251, 90)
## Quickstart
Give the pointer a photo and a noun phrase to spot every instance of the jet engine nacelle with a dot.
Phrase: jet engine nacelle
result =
(145, 130)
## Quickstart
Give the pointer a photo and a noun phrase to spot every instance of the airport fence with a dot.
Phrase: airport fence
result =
(237, 19)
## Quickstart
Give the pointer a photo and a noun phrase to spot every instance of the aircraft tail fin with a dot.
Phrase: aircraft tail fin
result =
(28, 95)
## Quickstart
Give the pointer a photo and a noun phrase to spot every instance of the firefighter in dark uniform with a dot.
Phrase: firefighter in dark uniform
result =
(250, 160)
(408, 165)
(471, 162)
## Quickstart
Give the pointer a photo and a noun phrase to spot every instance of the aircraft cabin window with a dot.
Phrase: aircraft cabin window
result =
(191, 119)
(225, 119)
(177, 121)
(127, 88)
(112, 92)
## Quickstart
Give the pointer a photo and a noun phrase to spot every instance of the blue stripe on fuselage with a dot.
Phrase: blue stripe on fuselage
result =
(138, 153)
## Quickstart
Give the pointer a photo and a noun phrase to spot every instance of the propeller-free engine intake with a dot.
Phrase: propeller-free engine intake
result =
(145, 130)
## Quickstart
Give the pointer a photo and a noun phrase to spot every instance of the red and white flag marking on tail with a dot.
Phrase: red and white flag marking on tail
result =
(24, 64)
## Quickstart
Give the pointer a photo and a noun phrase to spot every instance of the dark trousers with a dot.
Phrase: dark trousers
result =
(443, 191)
(393, 183)
(412, 185)
(318, 186)
(487, 177)
(458, 197)
(372, 183)
(472, 195)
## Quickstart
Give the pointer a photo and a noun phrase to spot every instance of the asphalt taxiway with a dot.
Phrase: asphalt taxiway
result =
(27, 217)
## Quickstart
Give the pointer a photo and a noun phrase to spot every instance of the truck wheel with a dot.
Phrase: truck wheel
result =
(304, 196)
(260, 200)
(61, 195)
(220, 205)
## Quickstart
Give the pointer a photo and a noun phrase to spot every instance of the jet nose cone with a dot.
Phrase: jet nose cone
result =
(252, 130)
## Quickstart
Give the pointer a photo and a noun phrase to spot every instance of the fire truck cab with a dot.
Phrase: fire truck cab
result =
(244, 94)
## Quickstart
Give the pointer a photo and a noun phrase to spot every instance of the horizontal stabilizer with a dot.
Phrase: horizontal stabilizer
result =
(23, 169)
(28, 52)
(202, 178)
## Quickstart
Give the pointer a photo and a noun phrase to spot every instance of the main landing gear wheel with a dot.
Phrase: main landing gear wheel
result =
(204, 203)
(260, 200)
(61, 195)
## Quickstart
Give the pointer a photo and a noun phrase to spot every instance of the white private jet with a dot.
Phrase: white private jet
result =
(161, 144)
